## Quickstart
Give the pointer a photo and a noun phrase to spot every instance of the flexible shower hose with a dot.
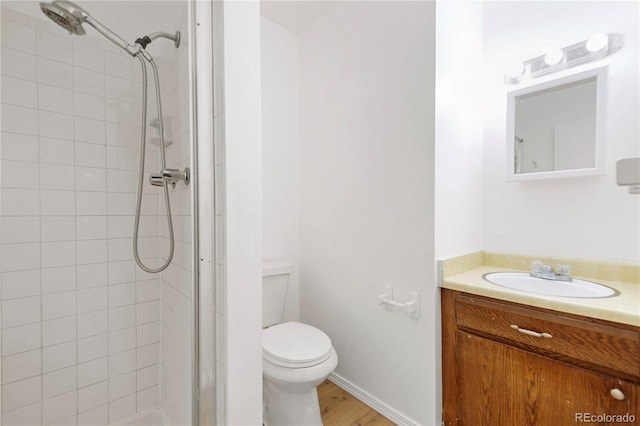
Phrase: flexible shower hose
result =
(143, 145)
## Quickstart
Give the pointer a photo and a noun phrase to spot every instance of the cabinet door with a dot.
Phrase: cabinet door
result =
(499, 385)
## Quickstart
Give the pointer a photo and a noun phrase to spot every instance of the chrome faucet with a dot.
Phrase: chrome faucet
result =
(540, 270)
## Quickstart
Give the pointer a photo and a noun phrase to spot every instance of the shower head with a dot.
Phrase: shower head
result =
(70, 16)
(66, 14)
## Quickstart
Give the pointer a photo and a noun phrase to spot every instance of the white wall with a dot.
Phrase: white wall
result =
(280, 152)
(586, 217)
(367, 148)
(459, 120)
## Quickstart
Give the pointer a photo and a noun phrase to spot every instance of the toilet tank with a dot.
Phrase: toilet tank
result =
(275, 279)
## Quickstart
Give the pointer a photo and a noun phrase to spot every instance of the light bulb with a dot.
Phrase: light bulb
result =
(597, 42)
(515, 70)
(553, 57)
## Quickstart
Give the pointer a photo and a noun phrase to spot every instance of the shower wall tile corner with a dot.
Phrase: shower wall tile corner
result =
(81, 325)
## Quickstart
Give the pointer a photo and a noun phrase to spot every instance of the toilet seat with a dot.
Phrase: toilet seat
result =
(295, 345)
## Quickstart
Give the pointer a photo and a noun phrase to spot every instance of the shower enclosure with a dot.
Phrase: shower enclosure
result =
(87, 335)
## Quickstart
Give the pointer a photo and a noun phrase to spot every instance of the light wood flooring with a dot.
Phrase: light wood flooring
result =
(340, 408)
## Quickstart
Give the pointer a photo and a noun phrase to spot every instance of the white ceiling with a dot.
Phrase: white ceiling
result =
(296, 16)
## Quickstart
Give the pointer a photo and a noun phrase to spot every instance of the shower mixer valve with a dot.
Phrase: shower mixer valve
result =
(171, 176)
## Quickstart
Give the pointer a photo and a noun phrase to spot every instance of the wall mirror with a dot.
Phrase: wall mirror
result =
(555, 128)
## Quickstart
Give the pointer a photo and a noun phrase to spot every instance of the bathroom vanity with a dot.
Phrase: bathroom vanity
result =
(508, 363)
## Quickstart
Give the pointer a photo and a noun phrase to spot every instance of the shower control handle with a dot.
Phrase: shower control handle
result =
(170, 176)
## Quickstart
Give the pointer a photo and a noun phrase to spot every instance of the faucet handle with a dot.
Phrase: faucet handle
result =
(563, 270)
(536, 267)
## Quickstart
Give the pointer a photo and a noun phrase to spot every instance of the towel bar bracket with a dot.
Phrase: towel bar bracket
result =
(412, 307)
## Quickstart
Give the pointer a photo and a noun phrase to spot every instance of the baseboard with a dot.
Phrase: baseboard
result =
(382, 408)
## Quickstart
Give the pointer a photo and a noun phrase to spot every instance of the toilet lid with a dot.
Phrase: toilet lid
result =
(295, 345)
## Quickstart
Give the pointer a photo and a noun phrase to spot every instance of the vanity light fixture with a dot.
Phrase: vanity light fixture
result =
(596, 47)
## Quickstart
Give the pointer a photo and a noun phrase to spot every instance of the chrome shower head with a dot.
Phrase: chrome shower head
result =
(66, 14)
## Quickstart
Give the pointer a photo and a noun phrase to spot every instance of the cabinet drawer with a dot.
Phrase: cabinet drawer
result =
(580, 342)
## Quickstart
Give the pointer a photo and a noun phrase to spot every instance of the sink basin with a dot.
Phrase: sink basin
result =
(524, 282)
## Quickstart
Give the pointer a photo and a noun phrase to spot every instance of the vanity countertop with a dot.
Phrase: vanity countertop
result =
(622, 308)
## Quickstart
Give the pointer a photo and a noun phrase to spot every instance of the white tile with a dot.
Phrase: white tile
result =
(55, 280)
(91, 227)
(120, 158)
(93, 372)
(122, 408)
(90, 155)
(95, 417)
(93, 396)
(58, 331)
(20, 229)
(57, 151)
(118, 88)
(89, 130)
(20, 284)
(57, 203)
(55, 73)
(21, 339)
(122, 340)
(58, 228)
(120, 249)
(16, 91)
(21, 120)
(91, 203)
(59, 407)
(57, 177)
(21, 366)
(55, 47)
(147, 290)
(59, 382)
(121, 112)
(88, 81)
(18, 36)
(148, 355)
(122, 317)
(20, 147)
(120, 226)
(91, 251)
(121, 181)
(20, 202)
(68, 421)
(89, 106)
(92, 275)
(55, 99)
(118, 65)
(122, 135)
(148, 312)
(21, 393)
(59, 356)
(91, 179)
(88, 57)
(93, 347)
(58, 305)
(122, 362)
(122, 272)
(122, 385)
(18, 257)
(121, 204)
(148, 376)
(148, 398)
(55, 125)
(18, 174)
(148, 333)
(122, 294)
(92, 323)
(29, 415)
(22, 311)
(18, 64)
(92, 299)
(59, 253)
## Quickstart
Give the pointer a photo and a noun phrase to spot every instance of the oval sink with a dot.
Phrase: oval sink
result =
(524, 282)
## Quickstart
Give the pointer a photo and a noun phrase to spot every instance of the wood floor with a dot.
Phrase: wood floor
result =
(339, 408)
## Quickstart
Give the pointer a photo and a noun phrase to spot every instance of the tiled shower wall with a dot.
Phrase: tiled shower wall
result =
(80, 322)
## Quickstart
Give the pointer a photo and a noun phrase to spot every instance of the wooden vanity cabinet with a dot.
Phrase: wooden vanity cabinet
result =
(510, 364)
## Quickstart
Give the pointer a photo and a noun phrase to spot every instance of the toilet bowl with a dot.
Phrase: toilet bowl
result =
(296, 357)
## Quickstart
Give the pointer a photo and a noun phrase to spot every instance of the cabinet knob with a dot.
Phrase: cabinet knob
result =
(617, 394)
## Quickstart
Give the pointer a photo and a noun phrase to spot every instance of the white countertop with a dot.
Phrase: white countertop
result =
(622, 308)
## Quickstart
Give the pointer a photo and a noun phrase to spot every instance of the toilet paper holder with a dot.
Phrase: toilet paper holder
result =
(412, 307)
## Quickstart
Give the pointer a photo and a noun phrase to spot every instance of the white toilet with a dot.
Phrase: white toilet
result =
(296, 357)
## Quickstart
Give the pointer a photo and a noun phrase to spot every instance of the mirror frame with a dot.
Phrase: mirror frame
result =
(600, 74)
